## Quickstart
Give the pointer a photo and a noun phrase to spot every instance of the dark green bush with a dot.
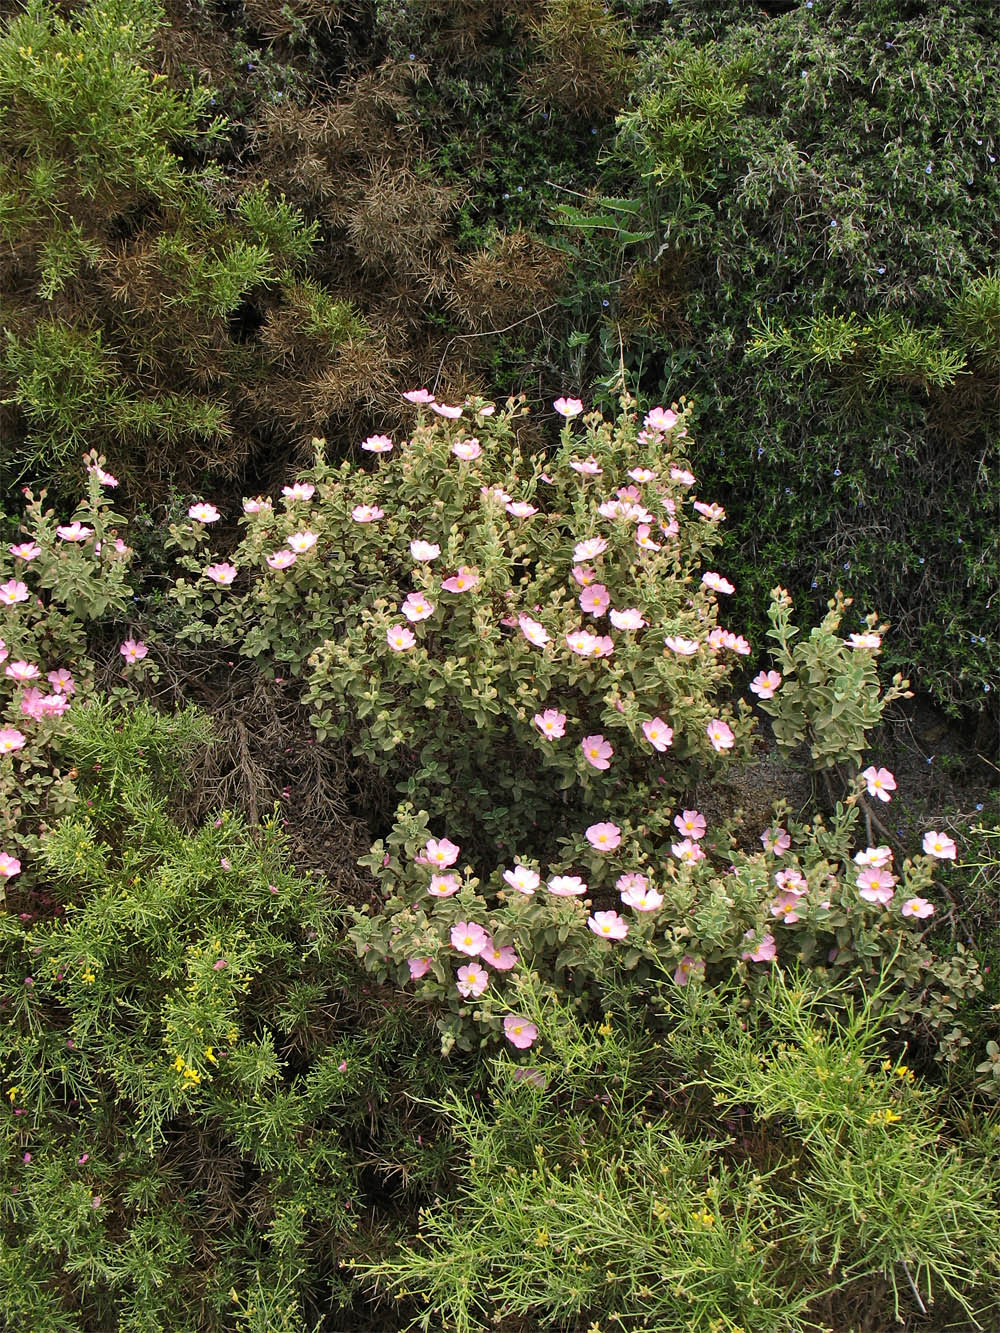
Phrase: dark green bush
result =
(822, 186)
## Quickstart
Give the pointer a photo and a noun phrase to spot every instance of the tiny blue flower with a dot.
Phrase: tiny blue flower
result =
(929, 168)
(605, 303)
(920, 561)
(979, 805)
(833, 224)
(815, 584)
(836, 471)
(880, 269)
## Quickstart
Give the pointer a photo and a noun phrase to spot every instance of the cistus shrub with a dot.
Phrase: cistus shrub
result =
(512, 635)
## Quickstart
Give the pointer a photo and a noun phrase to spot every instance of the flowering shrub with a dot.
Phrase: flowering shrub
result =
(54, 582)
(827, 693)
(508, 631)
(613, 898)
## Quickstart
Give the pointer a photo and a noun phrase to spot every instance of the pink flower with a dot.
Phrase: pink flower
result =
(502, 957)
(496, 493)
(631, 618)
(691, 823)
(879, 857)
(25, 550)
(443, 886)
(400, 638)
(61, 681)
(716, 582)
(590, 549)
(584, 575)
(257, 506)
(76, 532)
(302, 541)
(524, 880)
(786, 906)
(765, 684)
(532, 630)
(551, 723)
(876, 886)
(419, 396)
(12, 592)
(682, 647)
(659, 735)
(764, 952)
(367, 513)
(714, 512)
(441, 852)
(281, 559)
(568, 407)
(31, 704)
(918, 907)
(631, 882)
(53, 705)
(597, 751)
(222, 573)
(105, 478)
(605, 837)
(487, 410)
(463, 581)
(468, 937)
(467, 450)
(9, 866)
(133, 650)
(682, 476)
(870, 641)
(605, 646)
(472, 980)
(203, 513)
(595, 599)
(419, 967)
(687, 851)
(417, 607)
(643, 539)
(940, 846)
(521, 509)
(11, 739)
(302, 490)
(582, 642)
(609, 925)
(22, 671)
(377, 444)
(660, 419)
(642, 474)
(424, 551)
(519, 1032)
(792, 881)
(776, 840)
(687, 968)
(642, 900)
(720, 735)
(566, 886)
(446, 410)
(589, 467)
(879, 782)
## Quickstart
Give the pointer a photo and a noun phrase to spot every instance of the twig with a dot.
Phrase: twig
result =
(487, 333)
(923, 1307)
